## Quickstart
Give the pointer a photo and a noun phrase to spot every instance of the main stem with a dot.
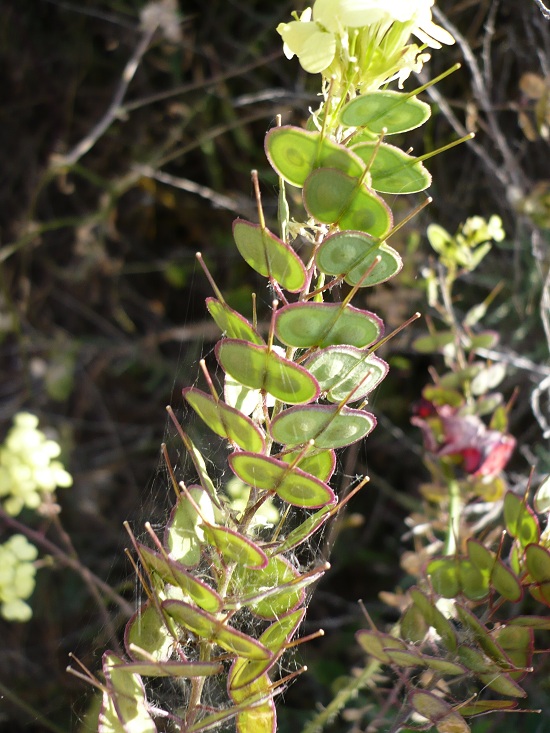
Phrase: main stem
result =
(455, 510)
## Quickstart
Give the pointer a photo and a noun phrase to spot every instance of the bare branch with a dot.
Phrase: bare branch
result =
(115, 108)
(543, 9)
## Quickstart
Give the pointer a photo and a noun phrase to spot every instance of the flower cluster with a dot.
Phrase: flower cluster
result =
(469, 245)
(17, 573)
(28, 466)
(362, 44)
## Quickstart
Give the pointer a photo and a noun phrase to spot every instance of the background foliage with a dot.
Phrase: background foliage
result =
(102, 316)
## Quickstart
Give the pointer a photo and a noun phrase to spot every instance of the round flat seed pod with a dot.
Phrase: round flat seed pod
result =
(291, 485)
(209, 627)
(327, 425)
(257, 367)
(353, 254)
(231, 323)
(320, 464)
(345, 370)
(385, 111)
(304, 325)
(273, 588)
(226, 421)
(392, 170)
(306, 529)
(294, 153)
(269, 255)
(175, 574)
(235, 547)
(148, 630)
(438, 712)
(333, 197)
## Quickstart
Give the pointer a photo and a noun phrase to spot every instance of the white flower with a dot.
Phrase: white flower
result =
(323, 35)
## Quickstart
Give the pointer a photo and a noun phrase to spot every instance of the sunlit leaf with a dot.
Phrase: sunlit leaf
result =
(183, 535)
(273, 588)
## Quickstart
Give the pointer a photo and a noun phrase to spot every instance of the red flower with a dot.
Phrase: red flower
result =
(484, 452)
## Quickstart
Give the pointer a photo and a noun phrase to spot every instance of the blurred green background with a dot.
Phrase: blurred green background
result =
(102, 316)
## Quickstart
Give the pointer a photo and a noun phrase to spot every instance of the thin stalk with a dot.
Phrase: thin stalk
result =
(455, 511)
(343, 697)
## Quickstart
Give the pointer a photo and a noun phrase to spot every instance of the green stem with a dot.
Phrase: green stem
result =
(455, 510)
(343, 697)
(34, 714)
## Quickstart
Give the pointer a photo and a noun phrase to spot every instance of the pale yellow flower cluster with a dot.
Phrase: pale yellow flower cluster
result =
(28, 466)
(17, 573)
(363, 42)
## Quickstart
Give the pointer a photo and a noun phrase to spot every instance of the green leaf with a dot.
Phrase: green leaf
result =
(474, 583)
(520, 521)
(481, 707)
(274, 638)
(304, 325)
(329, 426)
(489, 673)
(438, 712)
(301, 533)
(505, 582)
(377, 644)
(434, 342)
(483, 637)
(261, 368)
(414, 625)
(391, 170)
(435, 619)
(332, 197)
(294, 153)
(260, 717)
(517, 642)
(269, 255)
(385, 111)
(225, 421)
(172, 669)
(445, 576)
